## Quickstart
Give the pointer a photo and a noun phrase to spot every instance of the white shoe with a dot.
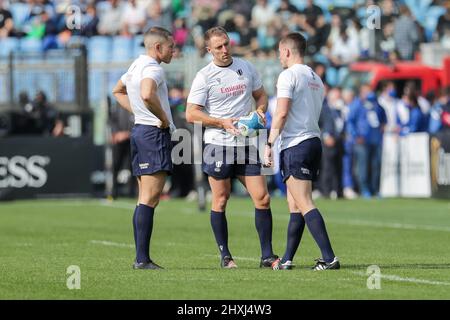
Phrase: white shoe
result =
(333, 195)
(350, 194)
(192, 196)
(316, 194)
(277, 265)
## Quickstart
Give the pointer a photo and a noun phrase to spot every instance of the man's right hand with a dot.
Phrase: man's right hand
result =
(228, 125)
(268, 156)
(164, 123)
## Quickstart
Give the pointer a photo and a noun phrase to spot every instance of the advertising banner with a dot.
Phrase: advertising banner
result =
(405, 169)
(33, 167)
(390, 166)
(415, 165)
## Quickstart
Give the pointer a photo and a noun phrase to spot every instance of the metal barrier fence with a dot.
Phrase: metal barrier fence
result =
(61, 76)
(180, 73)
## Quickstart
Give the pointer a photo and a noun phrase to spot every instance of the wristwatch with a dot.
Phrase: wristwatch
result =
(269, 144)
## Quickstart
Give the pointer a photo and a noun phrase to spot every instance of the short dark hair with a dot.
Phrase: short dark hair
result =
(157, 32)
(297, 41)
(214, 31)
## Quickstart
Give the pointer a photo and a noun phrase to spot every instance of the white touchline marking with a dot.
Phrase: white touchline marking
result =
(392, 225)
(377, 224)
(384, 276)
(113, 244)
(126, 245)
(234, 257)
(394, 277)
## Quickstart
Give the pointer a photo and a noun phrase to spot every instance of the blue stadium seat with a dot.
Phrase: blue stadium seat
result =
(344, 3)
(327, 15)
(7, 45)
(189, 49)
(30, 45)
(113, 77)
(57, 56)
(324, 4)
(20, 12)
(431, 19)
(264, 41)
(137, 48)
(418, 5)
(102, 7)
(361, 12)
(300, 4)
(318, 57)
(122, 49)
(96, 85)
(99, 49)
(76, 41)
(419, 8)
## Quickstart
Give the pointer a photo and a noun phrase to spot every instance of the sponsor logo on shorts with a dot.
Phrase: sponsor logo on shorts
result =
(218, 166)
(305, 171)
(143, 165)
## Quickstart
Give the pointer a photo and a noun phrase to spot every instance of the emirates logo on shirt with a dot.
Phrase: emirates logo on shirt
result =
(235, 90)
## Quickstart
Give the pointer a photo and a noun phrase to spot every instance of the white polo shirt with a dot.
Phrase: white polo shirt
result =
(142, 68)
(225, 92)
(306, 91)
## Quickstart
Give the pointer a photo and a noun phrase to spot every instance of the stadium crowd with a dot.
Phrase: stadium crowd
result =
(353, 123)
(335, 29)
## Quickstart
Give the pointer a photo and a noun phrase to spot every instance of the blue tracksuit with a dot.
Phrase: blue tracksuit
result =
(366, 120)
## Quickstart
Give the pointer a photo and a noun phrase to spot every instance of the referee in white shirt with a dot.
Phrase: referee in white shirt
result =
(300, 94)
(221, 93)
(142, 90)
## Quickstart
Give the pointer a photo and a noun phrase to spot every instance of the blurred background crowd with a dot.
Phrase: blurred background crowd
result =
(353, 120)
(336, 30)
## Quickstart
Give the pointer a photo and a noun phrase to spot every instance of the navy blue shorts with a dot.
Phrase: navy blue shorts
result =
(302, 161)
(222, 162)
(151, 149)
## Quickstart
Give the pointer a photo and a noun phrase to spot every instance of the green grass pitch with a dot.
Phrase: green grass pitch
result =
(39, 239)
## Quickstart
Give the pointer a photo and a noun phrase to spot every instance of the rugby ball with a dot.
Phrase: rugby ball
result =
(250, 124)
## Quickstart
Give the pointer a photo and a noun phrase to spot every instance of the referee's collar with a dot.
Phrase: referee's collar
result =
(232, 61)
(148, 58)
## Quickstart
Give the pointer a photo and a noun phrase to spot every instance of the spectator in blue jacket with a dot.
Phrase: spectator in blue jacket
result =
(349, 98)
(434, 121)
(416, 121)
(366, 123)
